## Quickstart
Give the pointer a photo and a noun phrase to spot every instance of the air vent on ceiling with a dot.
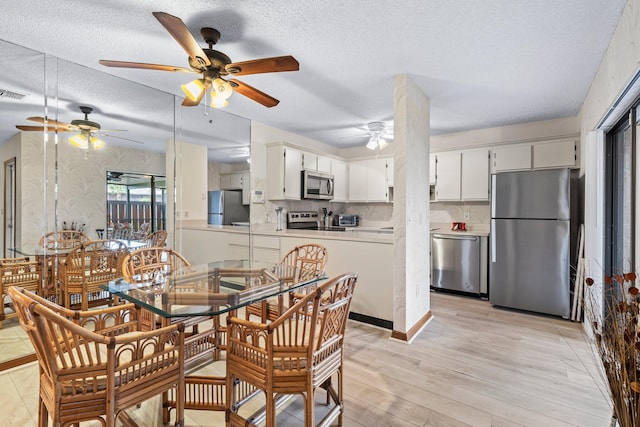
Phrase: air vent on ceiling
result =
(4, 93)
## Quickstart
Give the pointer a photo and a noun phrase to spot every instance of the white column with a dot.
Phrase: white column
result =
(411, 266)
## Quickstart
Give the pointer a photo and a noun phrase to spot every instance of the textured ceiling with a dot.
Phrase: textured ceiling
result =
(482, 63)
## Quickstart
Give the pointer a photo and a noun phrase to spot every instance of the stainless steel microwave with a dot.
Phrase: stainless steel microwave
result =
(316, 185)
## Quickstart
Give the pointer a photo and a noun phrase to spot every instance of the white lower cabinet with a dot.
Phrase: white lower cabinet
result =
(203, 246)
(370, 261)
(266, 249)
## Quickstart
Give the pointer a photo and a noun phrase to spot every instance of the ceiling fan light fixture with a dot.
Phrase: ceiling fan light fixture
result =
(382, 143)
(193, 89)
(373, 143)
(217, 101)
(222, 88)
(97, 143)
(79, 140)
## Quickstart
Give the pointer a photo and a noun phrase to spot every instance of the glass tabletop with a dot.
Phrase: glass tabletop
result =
(41, 251)
(214, 288)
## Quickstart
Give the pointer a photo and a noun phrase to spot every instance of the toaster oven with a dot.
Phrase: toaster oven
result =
(343, 220)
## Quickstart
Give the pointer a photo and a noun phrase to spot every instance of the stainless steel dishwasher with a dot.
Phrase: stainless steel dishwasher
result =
(459, 263)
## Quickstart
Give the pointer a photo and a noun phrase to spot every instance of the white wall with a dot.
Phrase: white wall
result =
(617, 68)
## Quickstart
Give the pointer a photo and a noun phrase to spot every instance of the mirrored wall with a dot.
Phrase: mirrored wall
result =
(50, 184)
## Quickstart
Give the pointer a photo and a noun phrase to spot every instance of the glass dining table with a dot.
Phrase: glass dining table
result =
(200, 296)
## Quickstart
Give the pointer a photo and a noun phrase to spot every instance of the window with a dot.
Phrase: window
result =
(136, 199)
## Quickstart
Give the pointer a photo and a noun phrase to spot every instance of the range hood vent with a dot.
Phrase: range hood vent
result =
(5, 93)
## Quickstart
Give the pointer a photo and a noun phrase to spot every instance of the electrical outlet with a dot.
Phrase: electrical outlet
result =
(466, 215)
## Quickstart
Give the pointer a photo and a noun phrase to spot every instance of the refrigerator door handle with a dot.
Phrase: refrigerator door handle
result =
(493, 195)
(493, 240)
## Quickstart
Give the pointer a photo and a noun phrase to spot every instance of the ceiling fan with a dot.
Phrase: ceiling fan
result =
(379, 135)
(213, 66)
(86, 130)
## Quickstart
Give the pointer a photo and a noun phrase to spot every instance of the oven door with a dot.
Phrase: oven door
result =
(317, 185)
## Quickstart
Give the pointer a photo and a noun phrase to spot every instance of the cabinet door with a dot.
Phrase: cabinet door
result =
(340, 172)
(245, 183)
(225, 182)
(283, 173)
(555, 154)
(324, 164)
(389, 173)
(432, 169)
(474, 182)
(358, 181)
(309, 161)
(236, 180)
(377, 180)
(292, 169)
(512, 158)
(448, 177)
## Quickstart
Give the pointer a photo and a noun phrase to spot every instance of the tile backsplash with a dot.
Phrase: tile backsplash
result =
(446, 213)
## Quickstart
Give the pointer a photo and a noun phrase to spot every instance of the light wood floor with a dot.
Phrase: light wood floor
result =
(473, 365)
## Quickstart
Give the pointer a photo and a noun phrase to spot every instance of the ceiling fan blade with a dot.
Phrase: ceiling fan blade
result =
(42, 128)
(183, 36)
(253, 93)
(119, 137)
(265, 65)
(51, 123)
(124, 64)
(188, 102)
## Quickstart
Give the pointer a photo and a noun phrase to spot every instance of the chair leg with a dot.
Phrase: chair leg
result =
(309, 410)
(271, 410)
(43, 415)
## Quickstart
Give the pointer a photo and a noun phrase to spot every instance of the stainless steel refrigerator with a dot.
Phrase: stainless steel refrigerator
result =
(532, 236)
(225, 208)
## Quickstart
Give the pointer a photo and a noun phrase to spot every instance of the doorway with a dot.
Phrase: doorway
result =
(9, 205)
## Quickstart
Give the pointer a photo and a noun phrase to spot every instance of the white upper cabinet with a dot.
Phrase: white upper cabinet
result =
(283, 173)
(358, 181)
(368, 180)
(340, 172)
(555, 154)
(324, 164)
(511, 158)
(537, 155)
(474, 182)
(432, 168)
(448, 176)
(237, 181)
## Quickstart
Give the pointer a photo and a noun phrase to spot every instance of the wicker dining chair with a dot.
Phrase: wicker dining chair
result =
(299, 352)
(17, 272)
(88, 267)
(307, 261)
(61, 240)
(157, 238)
(93, 365)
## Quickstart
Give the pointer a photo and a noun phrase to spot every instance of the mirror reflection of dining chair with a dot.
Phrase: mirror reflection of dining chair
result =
(143, 232)
(122, 231)
(157, 238)
(17, 272)
(52, 242)
(86, 269)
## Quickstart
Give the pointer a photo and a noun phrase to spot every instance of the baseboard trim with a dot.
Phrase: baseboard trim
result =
(375, 321)
(411, 333)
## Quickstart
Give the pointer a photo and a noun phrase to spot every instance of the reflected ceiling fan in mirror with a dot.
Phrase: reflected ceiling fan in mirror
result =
(87, 131)
(213, 66)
